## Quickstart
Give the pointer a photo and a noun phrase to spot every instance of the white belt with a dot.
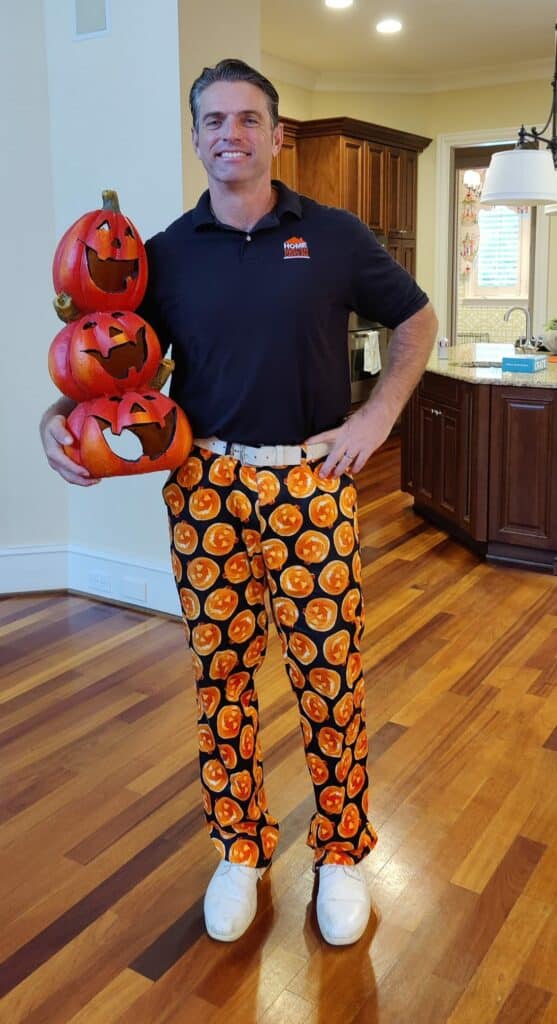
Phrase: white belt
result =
(266, 455)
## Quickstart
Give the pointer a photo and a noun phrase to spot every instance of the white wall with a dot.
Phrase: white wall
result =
(34, 504)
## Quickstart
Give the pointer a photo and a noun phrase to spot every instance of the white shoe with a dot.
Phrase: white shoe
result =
(343, 903)
(230, 902)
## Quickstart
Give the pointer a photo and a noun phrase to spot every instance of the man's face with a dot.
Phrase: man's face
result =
(235, 140)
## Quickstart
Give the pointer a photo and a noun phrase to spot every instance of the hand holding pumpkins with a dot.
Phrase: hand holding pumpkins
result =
(107, 358)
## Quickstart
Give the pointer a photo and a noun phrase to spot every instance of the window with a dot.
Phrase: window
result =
(502, 264)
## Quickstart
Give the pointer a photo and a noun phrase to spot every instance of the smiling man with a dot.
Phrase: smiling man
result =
(252, 289)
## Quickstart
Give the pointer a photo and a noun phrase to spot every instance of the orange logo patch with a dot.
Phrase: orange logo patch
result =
(296, 249)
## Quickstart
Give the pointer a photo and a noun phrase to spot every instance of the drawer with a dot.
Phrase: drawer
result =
(440, 389)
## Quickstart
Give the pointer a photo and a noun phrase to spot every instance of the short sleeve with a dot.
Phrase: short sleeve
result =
(382, 290)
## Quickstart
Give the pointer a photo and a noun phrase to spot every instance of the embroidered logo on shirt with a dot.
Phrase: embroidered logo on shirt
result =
(296, 249)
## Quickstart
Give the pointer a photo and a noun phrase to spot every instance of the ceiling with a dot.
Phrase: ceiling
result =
(439, 37)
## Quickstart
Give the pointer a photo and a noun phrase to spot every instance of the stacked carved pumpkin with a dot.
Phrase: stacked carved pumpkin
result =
(107, 358)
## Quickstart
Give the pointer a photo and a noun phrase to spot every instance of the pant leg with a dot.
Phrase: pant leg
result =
(219, 572)
(310, 546)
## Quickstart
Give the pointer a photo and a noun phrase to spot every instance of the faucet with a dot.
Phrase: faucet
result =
(526, 312)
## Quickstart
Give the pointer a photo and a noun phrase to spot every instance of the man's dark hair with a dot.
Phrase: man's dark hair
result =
(231, 70)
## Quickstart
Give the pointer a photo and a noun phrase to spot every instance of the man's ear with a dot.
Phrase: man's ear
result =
(195, 140)
(278, 138)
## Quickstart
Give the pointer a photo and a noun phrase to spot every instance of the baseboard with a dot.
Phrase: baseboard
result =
(96, 573)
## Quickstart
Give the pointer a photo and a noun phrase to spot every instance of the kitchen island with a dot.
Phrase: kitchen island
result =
(479, 455)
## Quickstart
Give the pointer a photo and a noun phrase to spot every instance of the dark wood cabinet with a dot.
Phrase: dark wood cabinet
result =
(285, 165)
(481, 462)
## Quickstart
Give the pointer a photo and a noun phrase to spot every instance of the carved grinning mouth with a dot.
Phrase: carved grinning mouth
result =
(110, 275)
(124, 357)
(154, 439)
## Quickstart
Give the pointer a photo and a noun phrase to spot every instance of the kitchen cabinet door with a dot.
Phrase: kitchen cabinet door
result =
(353, 187)
(375, 187)
(285, 165)
(401, 176)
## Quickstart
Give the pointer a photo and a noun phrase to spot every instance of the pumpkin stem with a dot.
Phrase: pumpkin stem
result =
(66, 308)
(110, 200)
(166, 367)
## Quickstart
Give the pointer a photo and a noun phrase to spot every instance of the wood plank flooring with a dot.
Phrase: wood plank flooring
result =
(104, 855)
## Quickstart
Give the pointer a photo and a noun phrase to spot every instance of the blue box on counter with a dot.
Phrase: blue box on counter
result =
(523, 363)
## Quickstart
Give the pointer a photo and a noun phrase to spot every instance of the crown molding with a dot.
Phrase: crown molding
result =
(341, 81)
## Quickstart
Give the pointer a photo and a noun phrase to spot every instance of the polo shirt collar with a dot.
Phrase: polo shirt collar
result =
(288, 202)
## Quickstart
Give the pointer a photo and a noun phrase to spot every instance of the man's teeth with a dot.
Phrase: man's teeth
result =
(233, 154)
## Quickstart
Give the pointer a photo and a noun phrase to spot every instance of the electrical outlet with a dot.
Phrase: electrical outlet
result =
(100, 582)
(134, 589)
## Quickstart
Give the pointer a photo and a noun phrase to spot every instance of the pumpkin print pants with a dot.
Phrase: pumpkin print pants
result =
(240, 534)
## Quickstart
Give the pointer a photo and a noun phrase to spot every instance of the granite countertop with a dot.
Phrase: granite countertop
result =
(458, 354)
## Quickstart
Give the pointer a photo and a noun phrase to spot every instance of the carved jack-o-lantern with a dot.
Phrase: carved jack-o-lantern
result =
(100, 263)
(106, 353)
(160, 426)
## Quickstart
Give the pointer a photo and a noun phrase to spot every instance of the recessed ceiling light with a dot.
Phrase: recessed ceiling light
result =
(339, 3)
(389, 25)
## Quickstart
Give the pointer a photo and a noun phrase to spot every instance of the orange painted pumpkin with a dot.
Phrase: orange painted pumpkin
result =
(209, 698)
(254, 651)
(241, 627)
(159, 425)
(202, 572)
(214, 775)
(317, 768)
(344, 710)
(222, 471)
(184, 536)
(330, 741)
(222, 664)
(302, 647)
(285, 610)
(247, 742)
(204, 503)
(228, 755)
(221, 603)
(104, 353)
(228, 811)
(266, 484)
(343, 766)
(255, 592)
(236, 684)
(323, 510)
(331, 799)
(314, 706)
(100, 261)
(321, 613)
(269, 839)
(344, 539)
(236, 568)
(336, 647)
(325, 681)
(239, 505)
(286, 520)
(300, 481)
(241, 785)
(190, 473)
(206, 637)
(244, 851)
(275, 553)
(219, 539)
(312, 546)
(356, 780)
(205, 738)
(334, 578)
(174, 498)
(297, 581)
(350, 604)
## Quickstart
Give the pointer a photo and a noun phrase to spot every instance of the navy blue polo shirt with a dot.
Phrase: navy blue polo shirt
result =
(258, 321)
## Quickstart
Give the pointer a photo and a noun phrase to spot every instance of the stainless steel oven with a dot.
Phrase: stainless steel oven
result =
(367, 352)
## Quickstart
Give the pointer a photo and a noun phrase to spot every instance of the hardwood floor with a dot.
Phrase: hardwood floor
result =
(105, 855)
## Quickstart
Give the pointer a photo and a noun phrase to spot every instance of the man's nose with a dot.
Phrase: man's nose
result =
(232, 127)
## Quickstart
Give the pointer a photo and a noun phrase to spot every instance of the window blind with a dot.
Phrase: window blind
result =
(499, 251)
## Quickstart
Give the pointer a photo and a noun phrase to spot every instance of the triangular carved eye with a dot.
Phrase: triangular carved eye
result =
(115, 398)
(113, 331)
(129, 232)
(89, 324)
(103, 226)
(137, 408)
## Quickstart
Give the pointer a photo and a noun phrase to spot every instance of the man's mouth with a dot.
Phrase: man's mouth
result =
(232, 154)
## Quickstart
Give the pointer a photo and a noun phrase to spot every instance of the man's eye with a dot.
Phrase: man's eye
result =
(251, 120)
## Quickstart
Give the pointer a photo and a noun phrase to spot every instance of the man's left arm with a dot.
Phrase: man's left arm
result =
(367, 428)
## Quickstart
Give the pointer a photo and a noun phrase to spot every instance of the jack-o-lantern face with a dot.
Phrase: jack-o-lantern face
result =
(107, 353)
(334, 578)
(344, 710)
(314, 706)
(174, 499)
(336, 647)
(184, 536)
(239, 505)
(306, 731)
(297, 677)
(244, 851)
(247, 742)
(222, 664)
(197, 666)
(202, 573)
(255, 651)
(267, 486)
(350, 603)
(303, 648)
(360, 750)
(241, 785)
(176, 567)
(205, 738)
(359, 693)
(330, 741)
(286, 520)
(189, 602)
(219, 539)
(252, 540)
(222, 471)
(190, 473)
(241, 627)
(317, 768)
(275, 553)
(222, 603)
(285, 610)
(236, 568)
(236, 684)
(312, 546)
(205, 638)
(321, 613)
(323, 510)
(209, 699)
(161, 431)
(353, 668)
(344, 539)
(228, 811)
(228, 755)
(204, 503)
(269, 839)
(255, 592)
(229, 721)
(348, 498)
(331, 799)
(214, 775)
(353, 729)
(325, 681)
(300, 481)
(356, 781)
(343, 766)
(297, 581)
(100, 261)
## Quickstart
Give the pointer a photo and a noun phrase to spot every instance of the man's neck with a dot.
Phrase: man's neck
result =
(239, 207)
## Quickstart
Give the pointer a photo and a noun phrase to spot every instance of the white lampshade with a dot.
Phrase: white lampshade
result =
(520, 177)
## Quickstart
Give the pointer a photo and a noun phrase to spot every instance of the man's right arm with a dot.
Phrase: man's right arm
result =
(54, 435)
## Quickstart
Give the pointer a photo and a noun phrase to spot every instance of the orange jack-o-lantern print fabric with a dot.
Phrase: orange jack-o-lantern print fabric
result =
(237, 532)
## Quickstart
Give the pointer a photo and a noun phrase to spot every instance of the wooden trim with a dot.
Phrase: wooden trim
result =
(357, 130)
